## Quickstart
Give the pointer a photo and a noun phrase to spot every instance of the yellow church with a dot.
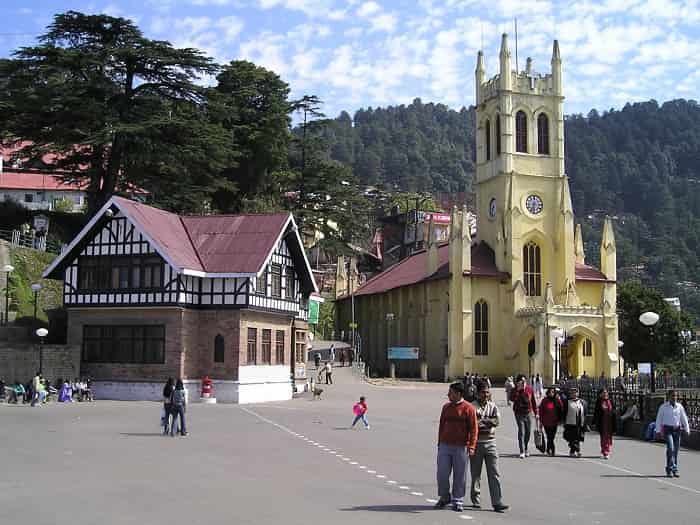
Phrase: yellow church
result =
(518, 296)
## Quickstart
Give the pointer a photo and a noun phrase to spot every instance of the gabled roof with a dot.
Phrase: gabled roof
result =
(588, 273)
(412, 270)
(14, 180)
(209, 246)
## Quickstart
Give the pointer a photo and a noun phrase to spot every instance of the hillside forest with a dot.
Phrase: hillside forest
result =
(129, 112)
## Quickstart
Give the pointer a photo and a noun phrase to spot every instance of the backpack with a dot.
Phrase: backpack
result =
(178, 398)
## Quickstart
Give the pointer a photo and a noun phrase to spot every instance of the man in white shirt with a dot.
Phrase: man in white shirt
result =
(670, 420)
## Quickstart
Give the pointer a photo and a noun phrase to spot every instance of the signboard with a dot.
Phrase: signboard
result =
(313, 311)
(41, 222)
(438, 218)
(403, 352)
(644, 368)
(300, 371)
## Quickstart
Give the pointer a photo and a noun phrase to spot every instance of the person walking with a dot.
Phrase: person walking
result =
(331, 353)
(671, 419)
(342, 358)
(360, 411)
(167, 395)
(550, 416)
(605, 421)
(457, 436)
(574, 417)
(539, 387)
(509, 386)
(524, 407)
(329, 373)
(178, 405)
(488, 418)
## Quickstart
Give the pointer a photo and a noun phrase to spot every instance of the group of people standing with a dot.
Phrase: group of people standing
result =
(39, 390)
(174, 407)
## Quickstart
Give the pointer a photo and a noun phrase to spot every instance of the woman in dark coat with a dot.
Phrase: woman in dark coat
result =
(605, 421)
(574, 418)
(167, 394)
(550, 417)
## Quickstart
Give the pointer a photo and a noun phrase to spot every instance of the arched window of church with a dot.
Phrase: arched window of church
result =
(543, 134)
(531, 348)
(481, 328)
(532, 269)
(487, 136)
(498, 134)
(587, 348)
(219, 349)
(521, 132)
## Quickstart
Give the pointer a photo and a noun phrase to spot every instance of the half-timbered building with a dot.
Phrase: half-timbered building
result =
(151, 294)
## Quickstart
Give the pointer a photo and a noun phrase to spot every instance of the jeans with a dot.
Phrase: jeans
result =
(524, 423)
(178, 411)
(673, 442)
(486, 452)
(551, 433)
(452, 459)
(363, 418)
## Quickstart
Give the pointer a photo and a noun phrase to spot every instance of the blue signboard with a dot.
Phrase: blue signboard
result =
(403, 352)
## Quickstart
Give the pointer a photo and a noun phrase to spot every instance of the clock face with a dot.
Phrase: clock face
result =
(534, 204)
(492, 208)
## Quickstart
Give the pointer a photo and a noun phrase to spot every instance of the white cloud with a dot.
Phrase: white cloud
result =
(368, 9)
(384, 22)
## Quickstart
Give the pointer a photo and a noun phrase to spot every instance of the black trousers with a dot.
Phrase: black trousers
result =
(551, 433)
(329, 379)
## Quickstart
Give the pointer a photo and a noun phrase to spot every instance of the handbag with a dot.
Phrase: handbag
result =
(539, 440)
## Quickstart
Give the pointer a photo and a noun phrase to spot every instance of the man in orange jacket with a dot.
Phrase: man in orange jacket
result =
(457, 435)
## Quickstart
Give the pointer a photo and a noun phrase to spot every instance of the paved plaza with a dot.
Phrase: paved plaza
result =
(296, 462)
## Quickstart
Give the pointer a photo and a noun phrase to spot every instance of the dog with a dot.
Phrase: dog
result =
(317, 393)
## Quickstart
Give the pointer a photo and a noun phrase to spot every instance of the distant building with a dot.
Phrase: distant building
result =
(675, 302)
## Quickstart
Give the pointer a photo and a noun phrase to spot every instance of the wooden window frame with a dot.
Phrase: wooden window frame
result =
(141, 340)
(276, 280)
(532, 269)
(299, 346)
(266, 344)
(279, 347)
(521, 132)
(96, 273)
(261, 283)
(252, 346)
(290, 283)
(587, 348)
(481, 328)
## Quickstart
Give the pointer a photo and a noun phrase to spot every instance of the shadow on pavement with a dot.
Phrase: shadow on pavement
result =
(639, 476)
(413, 509)
(544, 456)
(141, 434)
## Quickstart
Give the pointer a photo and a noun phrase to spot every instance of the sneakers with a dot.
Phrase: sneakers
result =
(522, 455)
(676, 474)
(527, 454)
(572, 454)
(501, 508)
(578, 454)
(476, 504)
(605, 456)
(441, 503)
(367, 427)
(457, 507)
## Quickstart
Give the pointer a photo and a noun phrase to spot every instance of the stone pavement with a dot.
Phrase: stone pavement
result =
(297, 462)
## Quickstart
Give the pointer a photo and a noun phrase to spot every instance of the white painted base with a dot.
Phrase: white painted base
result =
(207, 400)
(256, 384)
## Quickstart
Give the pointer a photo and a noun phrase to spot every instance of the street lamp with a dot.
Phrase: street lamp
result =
(36, 288)
(649, 319)
(620, 344)
(41, 333)
(685, 336)
(558, 335)
(8, 269)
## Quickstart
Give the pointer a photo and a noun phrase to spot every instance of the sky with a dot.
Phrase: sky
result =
(354, 53)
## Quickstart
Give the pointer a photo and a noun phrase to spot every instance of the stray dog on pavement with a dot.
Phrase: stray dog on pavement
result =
(317, 393)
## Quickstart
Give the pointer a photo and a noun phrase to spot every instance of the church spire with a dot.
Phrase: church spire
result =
(578, 243)
(556, 68)
(504, 56)
(608, 251)
(480, 75)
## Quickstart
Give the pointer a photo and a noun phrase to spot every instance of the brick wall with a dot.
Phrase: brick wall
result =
(200, 328)
(21, 361)
(170, 317)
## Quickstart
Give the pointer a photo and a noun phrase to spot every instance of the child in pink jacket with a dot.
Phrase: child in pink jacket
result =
(360, 411)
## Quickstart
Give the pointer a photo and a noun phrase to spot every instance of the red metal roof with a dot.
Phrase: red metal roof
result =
(15, 180)
(412, 270)
(588, 273)
(234, 243)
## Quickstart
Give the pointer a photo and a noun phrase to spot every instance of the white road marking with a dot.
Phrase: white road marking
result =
(381, 476)
(662, 481)
(331, 451)
(392, 482)
(371, 472)
(353, 462)
(416, 493)
(465, 517)
(404, 487)
(346, 459)
(430, 500)
(362, 466)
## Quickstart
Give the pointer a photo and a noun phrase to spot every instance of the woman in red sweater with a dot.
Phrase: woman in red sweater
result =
(550, 417)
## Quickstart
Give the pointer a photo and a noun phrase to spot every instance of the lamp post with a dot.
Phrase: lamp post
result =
(620, 344)
(649, 319)
(558, 335)
(36, 288)
(8, 269)
(685, 336)
(41, 334)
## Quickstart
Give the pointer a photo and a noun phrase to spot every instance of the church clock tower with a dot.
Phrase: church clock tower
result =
(523, 199)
